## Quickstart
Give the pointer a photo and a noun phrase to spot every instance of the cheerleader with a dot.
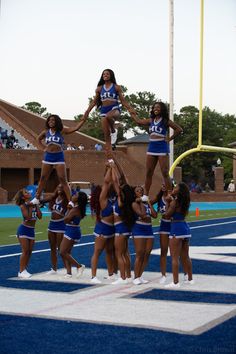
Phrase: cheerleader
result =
(51, 140)
(179, 202)
(158, 148)
(72, 233)
(26, 231)
(142, 234)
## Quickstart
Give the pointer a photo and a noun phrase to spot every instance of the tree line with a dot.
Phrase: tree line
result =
(218, 130)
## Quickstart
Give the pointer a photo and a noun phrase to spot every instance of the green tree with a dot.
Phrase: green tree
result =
(36, 108)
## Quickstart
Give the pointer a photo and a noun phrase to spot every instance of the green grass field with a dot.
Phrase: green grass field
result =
(8, 226)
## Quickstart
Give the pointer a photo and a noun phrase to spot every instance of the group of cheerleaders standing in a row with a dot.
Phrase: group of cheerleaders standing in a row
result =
(121, 210)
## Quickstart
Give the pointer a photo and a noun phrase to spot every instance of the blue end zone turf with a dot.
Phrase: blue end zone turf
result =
(70, 337)
(45, 285)
(187, 296)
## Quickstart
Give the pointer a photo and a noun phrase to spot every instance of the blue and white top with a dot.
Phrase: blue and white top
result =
(162, 205)
(58, 207)
(109, 93)
(33, 213)
(54, 138)
(157, 128)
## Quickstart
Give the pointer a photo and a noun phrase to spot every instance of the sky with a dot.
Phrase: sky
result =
(54, 51)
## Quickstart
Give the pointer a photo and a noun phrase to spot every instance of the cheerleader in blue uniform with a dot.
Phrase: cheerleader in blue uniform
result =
(72, 233)
(164, 229)
(142, 234)
(51, 139)
(107, 97)
(26, 231)
(104, 231)
(158, 148)
(124, 219)
(179, 202)
(58, 205)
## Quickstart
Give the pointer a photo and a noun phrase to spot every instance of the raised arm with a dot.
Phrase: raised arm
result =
(170, 207)
(94, 101)
(177, 130)
(139, 121)
(123, 100)
(76, 127)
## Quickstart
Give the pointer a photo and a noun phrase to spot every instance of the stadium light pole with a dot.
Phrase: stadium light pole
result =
(171, 75)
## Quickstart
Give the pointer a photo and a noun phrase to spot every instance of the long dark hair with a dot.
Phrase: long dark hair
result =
(58, 122)
(164, 112)
(183, 198)
(94, 202)
(101, 82)
(127, 198)
(82, 202)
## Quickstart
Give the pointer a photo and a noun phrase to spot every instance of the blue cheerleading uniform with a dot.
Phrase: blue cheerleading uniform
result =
(25, 231)
(158, 147)
(102, 227)
(165, 223)
(52, 158)
(72, 230)
(57, 225)
(109, 94)
(179, 227)
(121, 229)
(142, 229)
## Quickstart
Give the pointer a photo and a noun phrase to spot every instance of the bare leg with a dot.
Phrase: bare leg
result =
(53, 246)
(175, 249)
(65, 252)
(99, 246)
(164, 243)
(26, 246)
(127, 259)
(151, 162)
(148, 249)
(45, 173)
(110, 256)
(164, 166)
(139, 244)
(61, 173)
(120, 248)
(186, 259)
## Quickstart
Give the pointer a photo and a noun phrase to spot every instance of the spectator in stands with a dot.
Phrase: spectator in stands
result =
(98, 147)
(12, 136)
(4, 135)
(9, 143)
(27, 147)
(16, 145)
(69, 147)
(81, 147)
(231, 186)
(74, 147)
(1, 146)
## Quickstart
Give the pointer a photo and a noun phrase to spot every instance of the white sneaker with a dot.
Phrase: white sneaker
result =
(80, 271)
(172, 285)
(111, 277)
(137, 281)
(129, 280)
(162, 280)
(51, 272)
(110, 161)
(95, 280)
(143, 281)
(191, 282)
(24, 274)
(120, 281)
(68, 276)
(71, 204)
(185, 277)
(35, 201)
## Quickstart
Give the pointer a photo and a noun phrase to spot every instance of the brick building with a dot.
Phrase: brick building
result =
(19, 168)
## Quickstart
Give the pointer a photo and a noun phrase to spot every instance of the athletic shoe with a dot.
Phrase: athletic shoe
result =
(111, 277)
(163, 279)
(35, 201)
(137, 281)
(191, 282)
(172, 285)
(143, 281)
(110, 161)
(80, 271)
(95, 280)
(24, 274)
(68, 276)
(71, 204)
(144, 198)
(120, 281)
(185, 277)
(51, 272)
(129, 280)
